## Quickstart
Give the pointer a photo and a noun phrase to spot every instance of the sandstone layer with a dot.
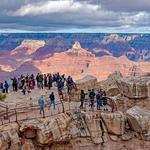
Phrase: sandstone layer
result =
(78, 130)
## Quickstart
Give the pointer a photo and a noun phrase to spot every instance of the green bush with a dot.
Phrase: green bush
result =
(2, 96)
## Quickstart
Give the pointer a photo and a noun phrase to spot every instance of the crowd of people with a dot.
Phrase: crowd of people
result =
(100, 96)
(27, 83)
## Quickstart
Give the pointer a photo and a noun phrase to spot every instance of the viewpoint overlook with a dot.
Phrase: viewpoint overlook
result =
(74, 91)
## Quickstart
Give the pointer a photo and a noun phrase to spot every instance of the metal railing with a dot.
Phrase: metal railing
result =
(3, 109)
(28, 113)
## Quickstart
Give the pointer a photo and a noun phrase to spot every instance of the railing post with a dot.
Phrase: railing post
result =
(7, 112)
(61, 100)
(58, 108)
(43, 112)
(16, 115)
(69, 105)
(62, 105)
(2, 121)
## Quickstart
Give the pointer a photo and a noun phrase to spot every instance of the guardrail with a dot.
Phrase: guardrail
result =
(3, 109)
(28, 113)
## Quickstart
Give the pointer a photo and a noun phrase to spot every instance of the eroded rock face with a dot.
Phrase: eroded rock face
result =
(74, 131)
(135, 87)
(9, 138)
(48, 131)
(139, 121)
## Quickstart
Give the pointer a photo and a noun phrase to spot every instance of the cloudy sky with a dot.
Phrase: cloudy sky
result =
(75, 16)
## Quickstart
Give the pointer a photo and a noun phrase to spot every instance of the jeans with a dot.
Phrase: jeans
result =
(99, 105)
(52, 102)
(81, 105)
(42, 110)
(92, 102)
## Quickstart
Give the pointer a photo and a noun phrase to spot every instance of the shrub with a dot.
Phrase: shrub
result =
(2, 96)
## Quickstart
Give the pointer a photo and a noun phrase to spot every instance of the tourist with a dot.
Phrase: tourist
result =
(69, 83)
(37, 80)
(20, 85)
(24, 88)
(41, 81)
(27, 78)
(15, 84)
(99, 99)
(59, 85)
(41, 103)
(104, 99)
(52, 100)
(32, 82)
(1, 87)
(50, 81)
(6, 86)
(92, 96)
(45, 80)
(89, 100)
(82, 98)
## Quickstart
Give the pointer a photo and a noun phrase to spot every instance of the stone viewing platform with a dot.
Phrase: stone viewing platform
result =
(68, 127)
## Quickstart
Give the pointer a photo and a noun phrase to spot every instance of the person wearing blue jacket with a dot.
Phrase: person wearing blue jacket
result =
(41, 103)
(6, 87)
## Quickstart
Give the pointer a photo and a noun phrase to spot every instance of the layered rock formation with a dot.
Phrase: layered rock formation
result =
(76, 61)
(126, 128)
(77, 130)
(27, 47)
(77, 50)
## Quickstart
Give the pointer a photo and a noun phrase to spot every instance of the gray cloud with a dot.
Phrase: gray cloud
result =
(69, 15)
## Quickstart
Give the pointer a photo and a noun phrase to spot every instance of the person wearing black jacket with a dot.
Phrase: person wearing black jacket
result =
(15, 84)
(52, 100)
(82, 98)
(92, 96)
(50, 81)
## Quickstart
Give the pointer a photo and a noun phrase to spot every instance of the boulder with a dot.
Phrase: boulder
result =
(47, 131)
(115, 122)
(134, 87)
(139, 121)
(95, 130)
(110, 85)
(86, 83)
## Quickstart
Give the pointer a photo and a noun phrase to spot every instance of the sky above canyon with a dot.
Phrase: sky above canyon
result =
(91, 16)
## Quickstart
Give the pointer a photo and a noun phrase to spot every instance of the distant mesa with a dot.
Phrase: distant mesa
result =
(76, 46)
(117, 38)
(77, 50)
(42, 56)
(28, 47)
